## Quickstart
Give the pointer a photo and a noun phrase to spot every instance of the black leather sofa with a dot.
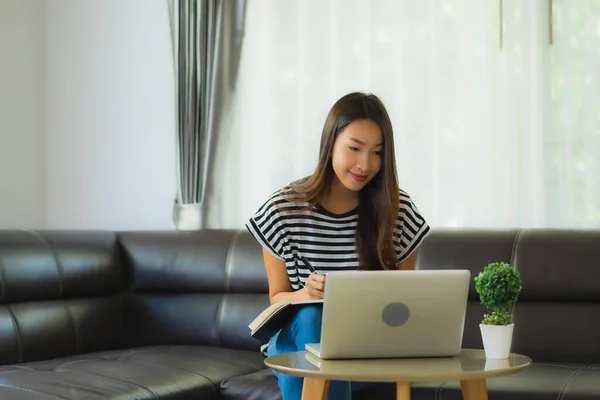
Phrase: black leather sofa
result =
(164, 315)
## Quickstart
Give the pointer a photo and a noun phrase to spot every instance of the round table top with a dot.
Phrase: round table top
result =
(469, 364)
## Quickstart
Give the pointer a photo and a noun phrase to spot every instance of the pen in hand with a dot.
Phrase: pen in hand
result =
(315, 283)
(308, 265)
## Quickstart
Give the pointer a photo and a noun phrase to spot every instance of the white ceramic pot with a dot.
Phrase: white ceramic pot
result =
(497, 340)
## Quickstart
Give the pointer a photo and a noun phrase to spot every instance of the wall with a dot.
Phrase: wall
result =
(87, 136)
(22, 115)
(109, 115)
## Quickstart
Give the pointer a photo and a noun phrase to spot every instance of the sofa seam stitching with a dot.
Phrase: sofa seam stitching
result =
(182, 369)
(53, 396)
(77, 339)
(438, 392)
(513, 255)
(16, 368)
(228, 261)
(514, 247)
(152, 393)
(61, 288)
(561, 394)
(218, 327)
(557, 365)
(61, 366)
(59, 268)
(2, 282)
(19, 341)
(130, 353)
(227, 286)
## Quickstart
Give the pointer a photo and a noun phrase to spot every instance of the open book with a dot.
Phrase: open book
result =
(268, 322)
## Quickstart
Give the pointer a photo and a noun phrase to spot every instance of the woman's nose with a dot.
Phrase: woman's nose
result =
(364, 163)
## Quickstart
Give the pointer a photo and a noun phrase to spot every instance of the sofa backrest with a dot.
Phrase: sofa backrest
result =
(560, 300)
(560, 303)
(199, 287)
(204, 287)
(59, 294)
(65, 293)
(472, 250)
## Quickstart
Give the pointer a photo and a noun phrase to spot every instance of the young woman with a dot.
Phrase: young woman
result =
(349, 214)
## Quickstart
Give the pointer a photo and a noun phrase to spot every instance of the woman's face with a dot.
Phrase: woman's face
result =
(356, 154)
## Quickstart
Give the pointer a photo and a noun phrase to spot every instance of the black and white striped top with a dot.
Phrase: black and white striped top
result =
(289, 232)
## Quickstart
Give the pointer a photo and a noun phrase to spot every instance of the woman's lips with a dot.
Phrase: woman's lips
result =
(359, 178)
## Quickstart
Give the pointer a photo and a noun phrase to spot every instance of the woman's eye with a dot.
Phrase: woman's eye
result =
(353, 148)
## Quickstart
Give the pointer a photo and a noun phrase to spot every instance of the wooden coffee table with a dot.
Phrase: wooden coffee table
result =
(470, 367)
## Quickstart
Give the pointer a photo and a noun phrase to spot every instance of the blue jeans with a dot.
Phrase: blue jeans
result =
(305, 328)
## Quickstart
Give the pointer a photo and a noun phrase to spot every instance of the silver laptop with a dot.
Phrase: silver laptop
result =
(393, 314)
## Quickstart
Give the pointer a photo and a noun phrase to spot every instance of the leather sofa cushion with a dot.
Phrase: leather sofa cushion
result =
(262, 385)
(41, 330)
(207, 261)
(540, 381)
(201, 287)
(59, 294)
(52, 265)
(208, 319)
(569, 329)
(470, 249)
(20, 394)
(555, 314)
(559, 266)
(166, 372)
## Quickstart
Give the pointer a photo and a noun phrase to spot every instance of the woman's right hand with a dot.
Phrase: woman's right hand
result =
(314, 288)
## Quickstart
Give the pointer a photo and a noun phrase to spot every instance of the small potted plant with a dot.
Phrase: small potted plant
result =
(498, 286)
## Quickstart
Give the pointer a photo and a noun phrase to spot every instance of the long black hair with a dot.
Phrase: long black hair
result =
(379, 199)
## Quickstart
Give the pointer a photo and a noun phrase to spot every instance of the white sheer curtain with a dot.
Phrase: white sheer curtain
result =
(572, 144)
(487, 135)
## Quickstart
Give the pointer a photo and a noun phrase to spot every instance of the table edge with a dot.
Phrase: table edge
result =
(460, 376)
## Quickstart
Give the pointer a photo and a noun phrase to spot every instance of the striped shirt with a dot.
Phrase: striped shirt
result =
(291, 232)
